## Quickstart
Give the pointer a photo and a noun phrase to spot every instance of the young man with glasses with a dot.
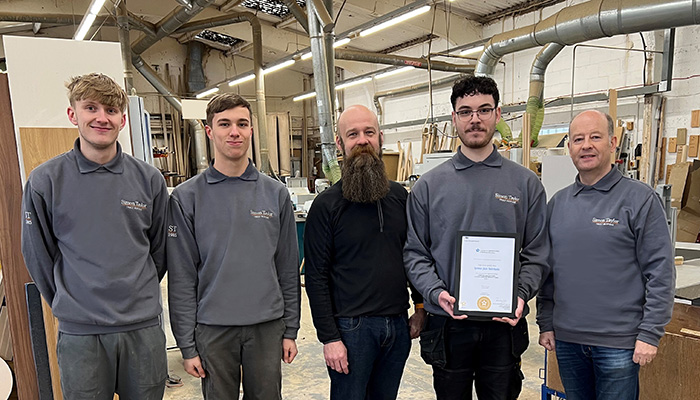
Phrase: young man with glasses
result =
(476, 190)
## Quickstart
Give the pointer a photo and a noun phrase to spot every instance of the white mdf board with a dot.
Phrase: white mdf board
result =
(558, 172)
(38, 69)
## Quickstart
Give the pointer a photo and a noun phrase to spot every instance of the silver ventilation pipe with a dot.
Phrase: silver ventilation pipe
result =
(200, 138)
(261, 106)
(298, 13)
(594, 19)
(324, 102)
(69, 19)
(125, 45)
(410, 89)
(401, 61)
(323, 15)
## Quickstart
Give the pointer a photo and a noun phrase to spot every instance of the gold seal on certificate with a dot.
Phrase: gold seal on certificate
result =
(487, 278)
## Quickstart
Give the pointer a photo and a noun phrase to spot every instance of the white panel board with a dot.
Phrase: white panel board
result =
(558, 172)
(38, 69)
(194, 109)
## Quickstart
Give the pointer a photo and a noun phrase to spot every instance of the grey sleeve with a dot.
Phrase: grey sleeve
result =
(655, 258)
(287, 263)
(183, 262)
(157, 231)
(419, 263)
(39, 246)
(545, 297)
(534, 264)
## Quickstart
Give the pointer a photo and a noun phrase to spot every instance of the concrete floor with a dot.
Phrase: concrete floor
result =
(306, 378)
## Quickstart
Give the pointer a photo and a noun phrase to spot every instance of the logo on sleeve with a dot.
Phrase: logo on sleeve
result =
(606, 221)
(172, 231)
(507, 198)
(134, 205)
(262, 214)
(27, 218)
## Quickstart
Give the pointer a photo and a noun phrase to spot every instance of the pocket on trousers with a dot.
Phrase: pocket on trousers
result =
(432, 343)
(520, 338)
(349, 324)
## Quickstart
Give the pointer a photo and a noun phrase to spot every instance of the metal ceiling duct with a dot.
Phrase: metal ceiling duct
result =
(535, 100)
(70, 19)
(324, 102)
(402, 61)
(298, 13)
(594, 19)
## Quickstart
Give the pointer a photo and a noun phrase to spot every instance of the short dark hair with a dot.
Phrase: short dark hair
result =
(473, 85)
(223, 102)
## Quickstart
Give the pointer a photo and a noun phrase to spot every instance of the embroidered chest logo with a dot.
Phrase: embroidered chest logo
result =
(27, 218)
(172, 231)
(507, 198)
(134, 205)
(606, 221)
(262, 214)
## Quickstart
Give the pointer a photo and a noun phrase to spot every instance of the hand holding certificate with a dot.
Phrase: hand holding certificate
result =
(487, 278)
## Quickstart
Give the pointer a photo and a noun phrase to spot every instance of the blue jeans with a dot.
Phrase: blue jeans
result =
(597, 373)
(378, 348)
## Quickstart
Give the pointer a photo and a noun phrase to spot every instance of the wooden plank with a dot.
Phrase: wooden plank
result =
(695, 119)
(681, 136)
(682, 154)
(659, 139)
(272, 143)
(644, 172)
(672, 145)
(14, 271)
(693, 146)
(618, 134)
(612, 104)
(285, 140)
(42, 144)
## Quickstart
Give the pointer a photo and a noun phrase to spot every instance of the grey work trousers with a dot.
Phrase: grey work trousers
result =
(132, 364)
(256, 349)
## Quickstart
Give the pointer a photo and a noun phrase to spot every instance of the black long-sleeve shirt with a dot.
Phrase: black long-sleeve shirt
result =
(354, 258)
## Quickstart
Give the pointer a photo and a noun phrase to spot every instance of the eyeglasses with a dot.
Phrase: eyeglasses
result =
(481, 113)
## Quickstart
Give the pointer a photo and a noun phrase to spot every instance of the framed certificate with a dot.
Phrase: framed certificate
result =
(487, 277)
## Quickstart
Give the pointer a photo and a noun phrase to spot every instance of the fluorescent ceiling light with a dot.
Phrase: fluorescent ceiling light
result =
(305, 96)
(241, 80)
(88, 19)
(393, 72)
(207, 93)
(353, 83)
(341, 42)
(278, 67)
(471, 50)
(396, 20)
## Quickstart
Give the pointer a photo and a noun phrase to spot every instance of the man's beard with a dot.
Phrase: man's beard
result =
(475, 143)
(364, 176)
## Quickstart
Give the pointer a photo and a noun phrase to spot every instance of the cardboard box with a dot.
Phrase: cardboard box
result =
(677, 180)
(691, 194)
(687, 226)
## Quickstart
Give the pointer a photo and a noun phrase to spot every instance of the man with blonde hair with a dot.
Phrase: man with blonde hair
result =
(233, 287)
(93, 240)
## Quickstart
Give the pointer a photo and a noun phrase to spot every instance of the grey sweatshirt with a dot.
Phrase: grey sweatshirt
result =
(93, 239)
(496, 195)
(613, 278)
(232, 254)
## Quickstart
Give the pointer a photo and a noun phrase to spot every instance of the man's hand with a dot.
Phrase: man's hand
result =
(289, 350)
(518, 314)
(643, 353)
(417, 322)
(447, 303)
(193, 366)
(336, 356)
(547, 340)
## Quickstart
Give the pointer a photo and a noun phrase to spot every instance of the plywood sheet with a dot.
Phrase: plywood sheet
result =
(42, 144)
(694, 141)
(285, 140)
(681, 136)
(672, 145)
(695, 119)
(272, 143)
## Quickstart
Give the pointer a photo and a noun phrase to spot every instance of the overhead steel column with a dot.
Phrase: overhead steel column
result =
(324, 102)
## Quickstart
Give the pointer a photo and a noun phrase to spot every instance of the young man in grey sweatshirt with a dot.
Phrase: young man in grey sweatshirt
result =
(233, 287)
(93, 240)
(610, 293)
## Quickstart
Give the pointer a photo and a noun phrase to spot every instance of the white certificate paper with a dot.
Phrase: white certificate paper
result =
(487, 274)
